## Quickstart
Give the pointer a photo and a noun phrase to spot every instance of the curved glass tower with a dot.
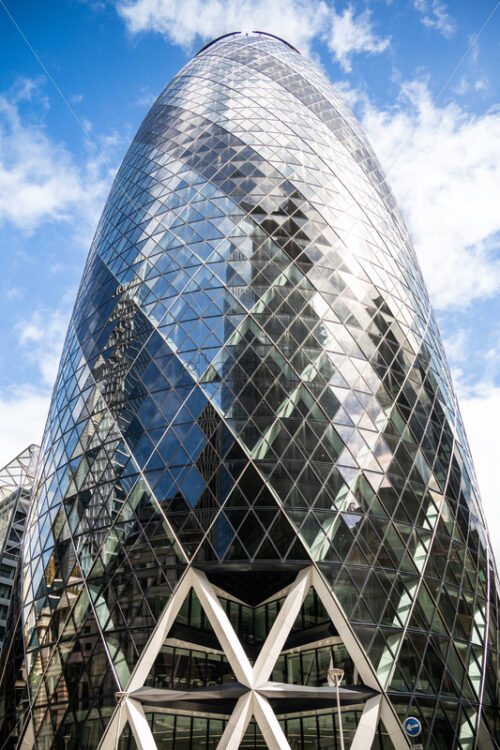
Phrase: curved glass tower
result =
(256, 519)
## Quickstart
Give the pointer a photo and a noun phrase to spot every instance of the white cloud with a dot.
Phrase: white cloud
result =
(462, 86)
(349, 35)
(146, 99)
(24, 408)
(13, 293)
(298, 21)
(41, 336)
(444, 166)
(481, 414)
(24, 412)
(56, 268)
(40, 179)
(435, 16)
(457, 347)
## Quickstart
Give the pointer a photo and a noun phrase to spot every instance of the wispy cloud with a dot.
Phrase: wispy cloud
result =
(40, 179)
(349, 34)
(24, 407)
(41, 337)
(435, 16)
(444, 165)
(457, 347)
(300, 22)
(198, 20)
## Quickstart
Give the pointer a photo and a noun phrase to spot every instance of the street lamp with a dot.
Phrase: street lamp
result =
(336, 676)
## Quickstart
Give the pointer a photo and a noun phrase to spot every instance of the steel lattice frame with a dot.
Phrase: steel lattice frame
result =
(256, 680)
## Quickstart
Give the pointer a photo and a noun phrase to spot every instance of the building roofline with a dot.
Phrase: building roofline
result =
(236, 33)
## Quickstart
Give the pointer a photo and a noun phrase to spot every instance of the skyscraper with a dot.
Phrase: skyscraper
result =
(256, 519)
(16, 485)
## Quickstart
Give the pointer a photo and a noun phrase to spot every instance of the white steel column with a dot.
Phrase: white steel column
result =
(224, 631)
(393, 726)
(146, 660)
(282, 626)
(268, 723)
(367, 726)
(112, 733)
(167, 619)
(237, 724)
(361, 662)
(345, 631)
(140, 727)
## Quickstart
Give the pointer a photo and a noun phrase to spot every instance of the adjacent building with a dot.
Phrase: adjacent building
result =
(16, 486)
(256, 522)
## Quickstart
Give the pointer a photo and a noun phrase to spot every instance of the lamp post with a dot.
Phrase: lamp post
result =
(336, 676)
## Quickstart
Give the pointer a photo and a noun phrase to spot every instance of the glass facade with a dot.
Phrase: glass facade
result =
(254, 470)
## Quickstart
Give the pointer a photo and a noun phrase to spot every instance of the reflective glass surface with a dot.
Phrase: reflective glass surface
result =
(253, 382)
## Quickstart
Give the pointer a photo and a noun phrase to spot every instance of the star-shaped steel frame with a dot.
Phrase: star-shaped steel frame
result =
(254, 701)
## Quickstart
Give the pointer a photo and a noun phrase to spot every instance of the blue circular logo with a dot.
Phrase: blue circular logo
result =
(412, 726)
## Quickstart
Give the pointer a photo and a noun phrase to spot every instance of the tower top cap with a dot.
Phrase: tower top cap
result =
(247, 34)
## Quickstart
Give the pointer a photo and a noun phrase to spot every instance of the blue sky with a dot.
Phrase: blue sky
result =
(422, 76)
